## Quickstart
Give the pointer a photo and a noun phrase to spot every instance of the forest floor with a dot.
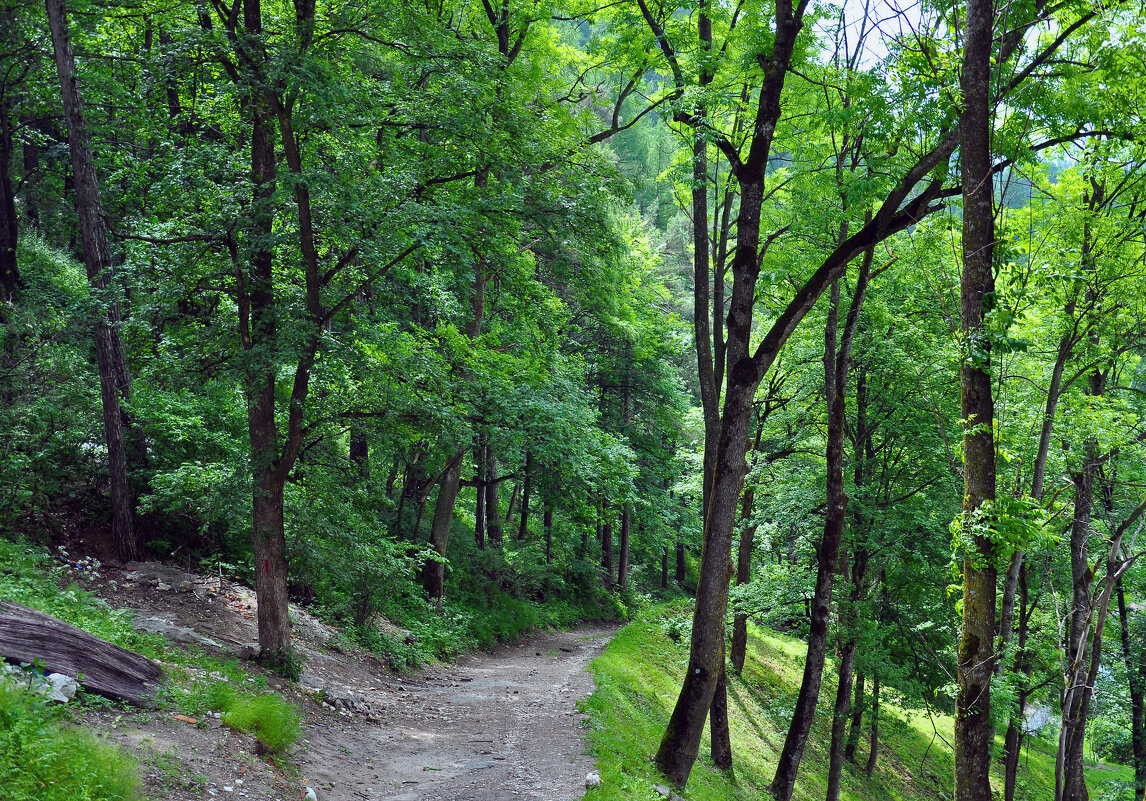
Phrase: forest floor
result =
(502, 725)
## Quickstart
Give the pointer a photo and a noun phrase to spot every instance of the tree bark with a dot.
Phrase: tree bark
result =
(721, 739)
(526, 492)
(873, 743)
(9, 229)
(606, 543)
(360, 452)
(857, 720)
(743, 576)
(114, 379)
(492, 508)
(665, 568)
(680, 571)
(976, 646)
(434, 572)
(480, 461)
(836, 359)
(1070, 766)
(1136, 678)
(547, 521)
(623, 555)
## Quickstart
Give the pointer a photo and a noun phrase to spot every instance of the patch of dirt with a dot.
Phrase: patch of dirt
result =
(490, 727)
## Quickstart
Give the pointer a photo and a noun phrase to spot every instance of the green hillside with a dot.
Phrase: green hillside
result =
(638, 678)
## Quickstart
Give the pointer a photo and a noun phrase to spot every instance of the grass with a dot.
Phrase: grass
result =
(42, 758)
(638, 678)
(274, 722)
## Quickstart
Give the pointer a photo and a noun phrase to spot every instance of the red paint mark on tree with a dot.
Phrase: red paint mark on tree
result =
(266, 565)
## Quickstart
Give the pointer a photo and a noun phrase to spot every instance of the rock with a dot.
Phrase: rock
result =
(173, 632)
(248, 651)
(60, 687)
(310, 794)
(662, 790)
(592, 780)
(162, 587)
(185, 586)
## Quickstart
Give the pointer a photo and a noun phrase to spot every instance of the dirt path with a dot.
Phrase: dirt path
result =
(500, 726)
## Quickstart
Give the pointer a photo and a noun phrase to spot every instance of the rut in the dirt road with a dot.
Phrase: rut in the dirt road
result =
(500, 726)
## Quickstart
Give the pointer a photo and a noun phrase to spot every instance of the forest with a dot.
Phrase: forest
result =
(490, 317)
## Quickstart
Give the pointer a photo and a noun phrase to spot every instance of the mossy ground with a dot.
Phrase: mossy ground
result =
(638, 678)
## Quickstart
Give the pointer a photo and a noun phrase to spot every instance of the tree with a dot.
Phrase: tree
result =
(115, 382)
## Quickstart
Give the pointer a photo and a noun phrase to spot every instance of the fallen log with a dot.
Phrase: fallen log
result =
(27, 635)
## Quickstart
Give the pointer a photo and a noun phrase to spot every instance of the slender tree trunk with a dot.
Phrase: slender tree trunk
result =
(526, 491)
(1013, 740)
(480, 461)
(665, 568)
(718, 724)
(1136, 678)
(434, 572)
(846, 667)
(680, 571)
(114, 380)
(836, 360)
(623, 555)
(743, 576)
(9, 230)
(360, 452)
(857, 720)
(873, 751)
(1069, 768)
(513, 496)
(976, 655)
(547, 521)
(607, 543)
(492, 508)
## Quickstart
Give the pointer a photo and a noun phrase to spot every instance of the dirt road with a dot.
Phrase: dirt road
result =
(492, 727)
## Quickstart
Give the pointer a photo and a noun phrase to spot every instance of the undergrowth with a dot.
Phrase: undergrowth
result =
(639, 677)
(274, 722)
(43, 758)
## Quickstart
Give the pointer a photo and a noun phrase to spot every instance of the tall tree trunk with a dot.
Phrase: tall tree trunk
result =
(9, 230)
(873, 749)
(857, 720)
(114, 380)
(492, 507)
(607, 543)
(480, 457)
(1013, 740)
(680, 571)
(836, 360)
(526, 492)
(721, 739)
(1136, 678)
(743, 576)
(665, 568)
(434, 572)
(547, 521)
(1070, 781)
(976, 646)
(360, 452)
(623, 555)
(846, 667)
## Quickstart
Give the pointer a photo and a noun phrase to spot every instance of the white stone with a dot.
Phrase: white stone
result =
(593, 780)
(310, 795)
(61, 688)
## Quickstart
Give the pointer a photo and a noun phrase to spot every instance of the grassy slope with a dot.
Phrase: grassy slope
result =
(638, 678)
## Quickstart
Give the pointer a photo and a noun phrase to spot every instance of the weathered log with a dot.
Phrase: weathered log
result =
(27, 635)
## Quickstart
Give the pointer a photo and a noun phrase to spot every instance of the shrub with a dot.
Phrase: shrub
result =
(43, 759)
(274, 722)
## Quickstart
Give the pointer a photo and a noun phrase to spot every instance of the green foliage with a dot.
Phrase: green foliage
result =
(274, 722)
(43, 758)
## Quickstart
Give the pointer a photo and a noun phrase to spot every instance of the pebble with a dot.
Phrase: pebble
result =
(592, 780)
